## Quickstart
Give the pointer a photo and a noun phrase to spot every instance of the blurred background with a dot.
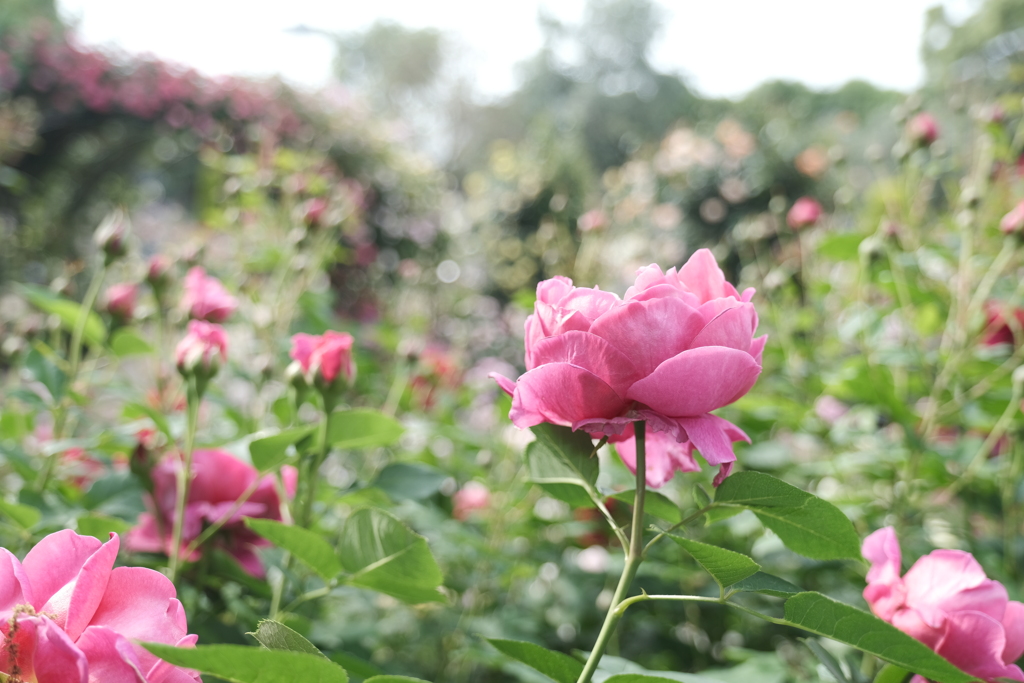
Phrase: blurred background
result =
(410, 171)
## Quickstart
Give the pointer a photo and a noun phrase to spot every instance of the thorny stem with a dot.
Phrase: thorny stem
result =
(184, 479)
(74, 360)
(634, 556)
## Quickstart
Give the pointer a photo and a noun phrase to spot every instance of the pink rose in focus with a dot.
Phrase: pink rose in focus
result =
(946, 601)
(804, 213)
(1013, 222)
(472, 496)
(77, 619)
(205, 346)
(326, 356)
(677, 346)
(922, 129)
(205, 297)
(218, 480)
(121, 300)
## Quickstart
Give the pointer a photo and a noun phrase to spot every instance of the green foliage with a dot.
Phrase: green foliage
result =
(727, 567)
(563, 463)
(361, 428)
(239, 664)
(805, 523)
(274, 635)
(304, 544)
(270, 451)
(560, 667)
(69, 312)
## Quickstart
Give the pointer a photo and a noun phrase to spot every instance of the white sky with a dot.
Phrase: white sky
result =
(725, 47)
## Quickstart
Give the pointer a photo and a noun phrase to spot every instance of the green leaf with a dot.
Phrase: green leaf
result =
(304, 544)
(242, 664)
(826, 658)
(385, 555)
(727, 567)
(842, 247)
(806, 524)
(100, 526)
(394, 679)
(270, 451)
(655, 504)
(409, 481)
(640, 678)
(357, 667)
(562, 462)
(824, 616)
(68, 311)
(617, 666)
(127, 342)
(362, 428)
(892, 674)
(555, 665)
(274, 635)
(134, 411)
(24, 516)
(364, 497)
(767, 584)
(47, 373)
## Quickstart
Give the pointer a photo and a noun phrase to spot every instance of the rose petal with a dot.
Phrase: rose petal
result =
(507, 385)
(664, 456)
(697, 381)
(162, 672)
(950, 581)
(55, 561)
(733, 328)
(712, 436)
(649, 332)
(15, 587)
(303, 346)
(703, 277)
(562, 394)
(1013, 624)
(111, 657)
(975, 642)
(45, 653)
(590, 352)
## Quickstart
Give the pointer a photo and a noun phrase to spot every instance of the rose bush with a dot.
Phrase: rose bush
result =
(68, 616)
(677, 346)
(946, 601)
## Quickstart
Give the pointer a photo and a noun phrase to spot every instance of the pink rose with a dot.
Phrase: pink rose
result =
(997, 326)
(205, 297)
(205, 346)
(922, 129)
(595, 219)
(75, 619)
(946, 601)
(472, 496)
(218, 480)
(805, 213)
(1013, 222)
(121, 300)
(326, 356)
(677, 346)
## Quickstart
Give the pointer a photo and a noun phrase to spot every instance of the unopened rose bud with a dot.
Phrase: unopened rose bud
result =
(313, 213)
(203, 350)
(922, 130)
(112, 235)
(120, 301)
(1013, 222)
(805, 213)
(158, 274)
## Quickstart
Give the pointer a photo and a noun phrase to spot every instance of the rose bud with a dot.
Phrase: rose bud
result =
(203, 350)
(922, 130)
(804, 213)
(121, 301)
(112, 235)
(325, 358)
(158, 274)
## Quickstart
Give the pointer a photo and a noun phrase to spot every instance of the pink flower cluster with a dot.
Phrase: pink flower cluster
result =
(204, 347)
(677, 346)
(946, 601)
(218, 481)
(76, 77)
(68, 616)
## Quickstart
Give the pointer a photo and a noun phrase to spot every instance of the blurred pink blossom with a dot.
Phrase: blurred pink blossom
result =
(205, 346)
(205, 297)
(1013, 222)
(219, 479)
(327, 356)
(946, 601)
(473, 496)
(121, 300)
(922, 129)
(804, 213)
